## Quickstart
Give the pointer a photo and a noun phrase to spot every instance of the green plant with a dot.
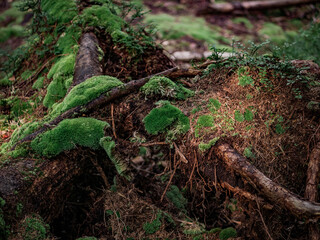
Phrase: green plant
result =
(165, 87)
(244, 78)
(227, 233)
(34, 228)
(238, 116)
(176, 197)
(154, 226)
(205, 146)
(248, 152)
(69, 134)
(160, 119)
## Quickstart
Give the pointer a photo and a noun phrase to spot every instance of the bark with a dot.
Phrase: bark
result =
(274, 192)
(311, 192)
(102, 99)
(87, 61)
(252, 5)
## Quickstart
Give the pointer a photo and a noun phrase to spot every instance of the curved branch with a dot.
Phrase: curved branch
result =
(274, 192)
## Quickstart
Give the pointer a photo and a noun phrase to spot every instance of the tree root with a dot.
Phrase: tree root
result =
(274, 192)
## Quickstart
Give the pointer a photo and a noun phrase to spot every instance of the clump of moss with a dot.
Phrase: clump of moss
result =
(69, 134)
(176, 197)
(39, 83)
(12, 31)
(160, 119)
(61, 73)
(34, 228)
(245, 21)
(165, 87)
(85, 92)
(59, 11)
(154, 226)
(121, 166)
(206, 146)
(69, 39)
(227, 233)
(5, 82)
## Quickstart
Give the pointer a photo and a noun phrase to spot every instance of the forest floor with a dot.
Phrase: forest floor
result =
(179, 188)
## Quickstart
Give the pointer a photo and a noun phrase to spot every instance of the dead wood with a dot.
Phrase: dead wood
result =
(311, 192)
(87, 60)
(252, 5)
(102, 99)
(274, 192)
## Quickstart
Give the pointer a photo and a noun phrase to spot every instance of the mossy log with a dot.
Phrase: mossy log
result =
(102, 99)
(236, 7)
(274, 192)
(87, 60)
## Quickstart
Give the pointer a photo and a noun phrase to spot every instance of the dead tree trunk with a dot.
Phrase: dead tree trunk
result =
(311, 192)
(252, 5)
(274, 192)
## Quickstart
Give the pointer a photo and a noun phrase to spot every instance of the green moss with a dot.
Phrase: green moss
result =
(34, 228)
(69, 39)
(121, 166)
(85, 92)
(238, 116)
(204, 121)
(206, 146)
(165, 87)
(39, 83)
(245, 21)
(227, 233)
(5, 82)
(69, 134)
(3, 232)
(60, 72)
(101, 16)
(160, 119)
(174, 27)
(176, 197)
(11, 31)
(59, 11)
(13, 13)
(154, 226)
(273, 32)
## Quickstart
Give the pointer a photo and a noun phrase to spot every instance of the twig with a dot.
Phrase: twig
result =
(153, 143)
(113, 125)
(101, 172)
(182, 157)
(171, 177)
(263, 222)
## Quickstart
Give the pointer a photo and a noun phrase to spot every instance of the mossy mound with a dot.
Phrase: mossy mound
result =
(62, 74)
(85, 92)
(9, 32)
(60, 11)
(163, 86)
(69, 134)
(161, 119)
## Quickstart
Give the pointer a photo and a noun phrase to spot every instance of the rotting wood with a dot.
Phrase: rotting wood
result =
(102, 99)
(87, 60)
(251, 5)
(274, 192)
(311, 192)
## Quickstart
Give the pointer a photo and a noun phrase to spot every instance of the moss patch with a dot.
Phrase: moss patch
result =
(242, 20)
(165, 87)
(33, 227)
(176, 197)
(121, 166)
(171, 27)
(69, 134)
(60, 11)
(85, 92)
(68, 40)
(61, 72)
(160, 119)
(227, 233)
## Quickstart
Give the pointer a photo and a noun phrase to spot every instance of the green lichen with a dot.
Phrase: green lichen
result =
(163, 86)
(176, 197)
(69, 134)
(85, 92)
(121, 166)
(59, 11)
(60, 73)
(227, 233)
(160, 119)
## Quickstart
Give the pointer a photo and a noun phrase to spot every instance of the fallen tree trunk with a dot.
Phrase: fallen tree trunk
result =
(311, 192)
(252, 5)
(266, 186)
(87, 61)
(102, 99)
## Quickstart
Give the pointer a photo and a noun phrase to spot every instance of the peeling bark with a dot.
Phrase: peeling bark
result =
(252, 5)
(274, 192)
